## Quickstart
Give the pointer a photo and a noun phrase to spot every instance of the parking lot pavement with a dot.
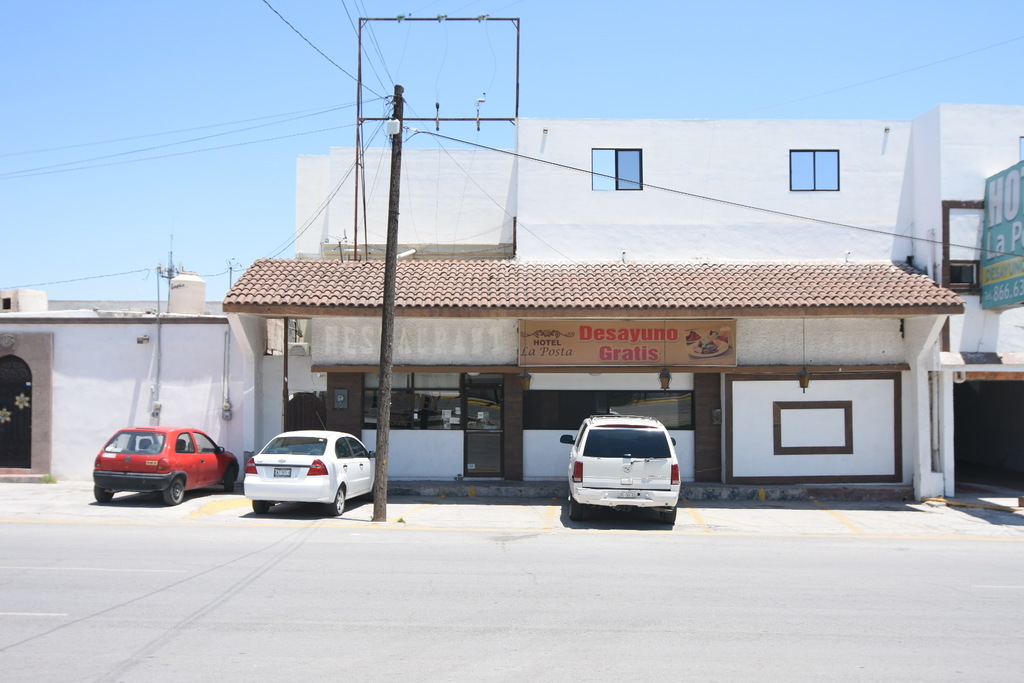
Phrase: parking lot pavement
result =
(73, 503)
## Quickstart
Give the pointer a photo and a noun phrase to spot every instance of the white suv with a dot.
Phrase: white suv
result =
(621, 461)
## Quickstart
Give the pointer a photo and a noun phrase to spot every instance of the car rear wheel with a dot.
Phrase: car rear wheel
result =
(102, 495)
(175, 493)
(261, 507)
(578, 511)
(668, 516)
(229, 479)
(337, 508)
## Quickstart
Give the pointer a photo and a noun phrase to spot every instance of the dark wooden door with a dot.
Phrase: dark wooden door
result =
(15, 413)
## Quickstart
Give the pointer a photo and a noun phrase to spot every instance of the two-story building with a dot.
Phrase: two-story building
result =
(779, 293)
(798, 301)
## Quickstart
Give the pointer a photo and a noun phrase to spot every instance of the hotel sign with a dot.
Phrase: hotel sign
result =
(642, 343)
(1002, 256)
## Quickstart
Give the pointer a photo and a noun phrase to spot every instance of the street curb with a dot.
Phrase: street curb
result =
(986, 506)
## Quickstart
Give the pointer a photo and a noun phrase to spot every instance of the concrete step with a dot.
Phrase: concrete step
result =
(495, 488)
(22, 478)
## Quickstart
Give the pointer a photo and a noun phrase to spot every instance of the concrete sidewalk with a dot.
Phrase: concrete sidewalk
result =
(427, 509)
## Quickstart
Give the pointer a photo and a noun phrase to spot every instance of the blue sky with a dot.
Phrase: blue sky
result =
(130, 126)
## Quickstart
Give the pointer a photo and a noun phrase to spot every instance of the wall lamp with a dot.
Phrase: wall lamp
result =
(665, 377)
(524, 379)
(144, 339)
(804, 378)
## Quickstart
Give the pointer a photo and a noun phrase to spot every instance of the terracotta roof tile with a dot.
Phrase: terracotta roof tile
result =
(465, 288)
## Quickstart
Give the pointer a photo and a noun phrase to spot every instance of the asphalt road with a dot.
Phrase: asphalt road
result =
(476, 590)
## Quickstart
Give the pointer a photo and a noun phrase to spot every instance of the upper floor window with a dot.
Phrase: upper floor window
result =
(617, 169)
(963, 275)
(811, 169)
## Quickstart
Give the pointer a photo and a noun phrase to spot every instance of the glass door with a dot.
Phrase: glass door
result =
(484, 427)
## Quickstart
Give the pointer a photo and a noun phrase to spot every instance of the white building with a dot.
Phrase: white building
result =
(780, 249)
(807, 290)
(71, 377)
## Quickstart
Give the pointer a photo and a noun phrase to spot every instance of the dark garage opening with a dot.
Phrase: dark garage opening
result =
(989, 433)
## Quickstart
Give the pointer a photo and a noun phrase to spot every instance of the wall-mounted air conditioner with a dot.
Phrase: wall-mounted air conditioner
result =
(298, 349)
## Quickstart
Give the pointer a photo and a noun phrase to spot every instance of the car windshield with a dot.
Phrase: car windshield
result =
(136, 442)
(296, 445)
(636, 442)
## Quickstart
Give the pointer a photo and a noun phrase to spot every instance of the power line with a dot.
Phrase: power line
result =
(373, 40)
(309, 221)
(310, 43)
(177, 154)
(80, 279)
(715, 200)
(880, 78)
(31, 171)
(172, 132)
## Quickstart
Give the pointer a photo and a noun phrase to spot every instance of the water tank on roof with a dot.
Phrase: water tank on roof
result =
(188, 294)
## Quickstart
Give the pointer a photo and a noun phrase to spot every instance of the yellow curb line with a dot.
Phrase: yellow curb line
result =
(697, 516)
(986, 506)
(415, 509)
(553, 509)
(219, 506)
(840, 517)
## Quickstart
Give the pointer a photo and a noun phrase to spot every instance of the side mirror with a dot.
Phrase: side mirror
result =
(568, 438)
(218, 449)
(373, 454)
(673, 440)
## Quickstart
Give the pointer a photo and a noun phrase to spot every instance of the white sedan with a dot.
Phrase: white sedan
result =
(309, 467)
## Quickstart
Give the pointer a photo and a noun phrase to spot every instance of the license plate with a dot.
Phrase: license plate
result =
(629, 494)
(282, 471)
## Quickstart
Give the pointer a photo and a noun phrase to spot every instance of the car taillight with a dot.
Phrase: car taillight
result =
(99, 463)
(675, 474)
(317, 469)
(250, 467)
(163, 465)
(577, 471)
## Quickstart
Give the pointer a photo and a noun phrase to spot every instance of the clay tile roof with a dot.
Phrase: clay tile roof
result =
(306, 288)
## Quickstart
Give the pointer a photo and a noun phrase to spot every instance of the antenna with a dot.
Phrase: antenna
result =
(170, 271)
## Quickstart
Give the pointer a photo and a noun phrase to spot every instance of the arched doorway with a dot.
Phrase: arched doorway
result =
(15, 413)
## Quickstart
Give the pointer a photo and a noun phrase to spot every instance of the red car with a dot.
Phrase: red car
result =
(167, 459)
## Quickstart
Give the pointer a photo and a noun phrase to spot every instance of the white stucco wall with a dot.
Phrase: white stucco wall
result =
(761, 341)
(103, 381)
(741, 162)
(418, 341)
(873, 429)
(413, 454)
(819, 341)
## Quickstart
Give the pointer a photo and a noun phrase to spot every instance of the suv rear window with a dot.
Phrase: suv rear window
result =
(632, 441)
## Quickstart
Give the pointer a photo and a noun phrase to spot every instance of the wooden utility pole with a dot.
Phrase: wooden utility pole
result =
(387, 327)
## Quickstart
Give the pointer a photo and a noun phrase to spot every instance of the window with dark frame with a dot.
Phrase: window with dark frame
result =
(565, 410)
(418, 401)
(617, 169)
(963, 275)
(814, 170)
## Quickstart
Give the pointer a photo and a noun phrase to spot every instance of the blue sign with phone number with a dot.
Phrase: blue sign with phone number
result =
(1002, 256)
